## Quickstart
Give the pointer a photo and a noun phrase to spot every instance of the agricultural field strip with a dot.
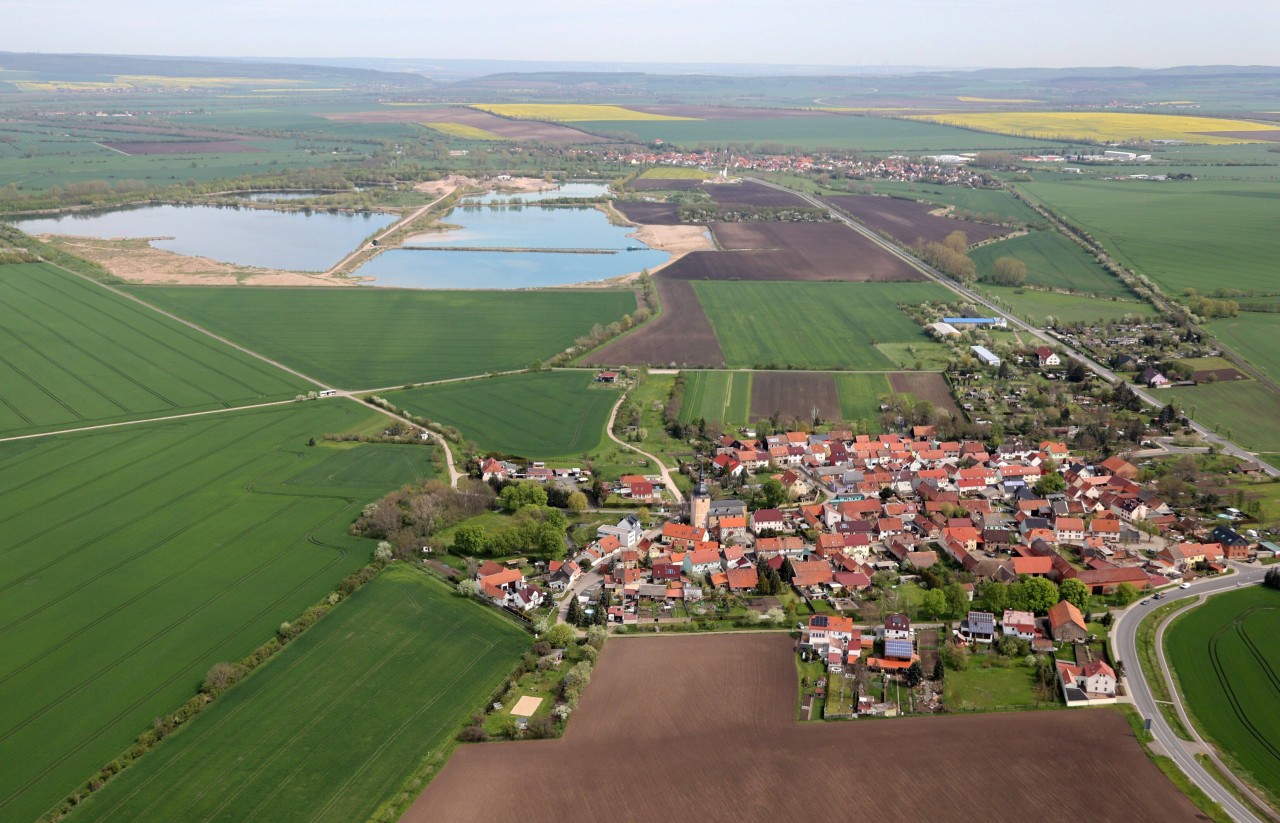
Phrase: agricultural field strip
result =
(273, 513)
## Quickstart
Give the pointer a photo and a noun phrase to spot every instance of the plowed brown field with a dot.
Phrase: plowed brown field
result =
(530, 131)
(908, 220)
(794, 395)
(652, 214)
(681, 335)
(798, 251)
(753, 194)
(929, 386)
(702, 728)
(664, 184)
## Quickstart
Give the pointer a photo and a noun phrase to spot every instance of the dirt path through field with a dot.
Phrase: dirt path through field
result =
(666, 475)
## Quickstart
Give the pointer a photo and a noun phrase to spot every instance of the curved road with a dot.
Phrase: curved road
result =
(666, 475)
(1124, 647)
(1097, 368)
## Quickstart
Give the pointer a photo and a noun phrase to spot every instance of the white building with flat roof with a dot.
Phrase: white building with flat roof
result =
(987, 358)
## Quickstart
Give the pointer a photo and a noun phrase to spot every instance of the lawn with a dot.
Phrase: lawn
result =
(1226, 661)
(73, 353)
(1252, 336)
(335, 724)
(374, 338)
(980, 689)
(1037, 306)
(1054, 262)
(860, 396)
(136, 558)
(812, 325)
(1202, 234)
(539, 415)
(717, 395)
(1244, 411)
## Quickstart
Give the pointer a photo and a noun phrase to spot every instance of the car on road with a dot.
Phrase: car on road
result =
(1184, 585)
(1157, 596)
(1145, 602)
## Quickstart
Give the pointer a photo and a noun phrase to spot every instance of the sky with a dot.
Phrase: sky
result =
(942, 33)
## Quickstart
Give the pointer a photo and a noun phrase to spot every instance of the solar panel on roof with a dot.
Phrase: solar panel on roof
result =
(898, 648)
(820, 621)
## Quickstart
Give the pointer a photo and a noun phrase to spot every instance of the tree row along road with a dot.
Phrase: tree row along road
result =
(1124, 646)
(1097, 368)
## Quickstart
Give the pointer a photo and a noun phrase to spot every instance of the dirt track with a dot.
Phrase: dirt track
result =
(702, 728)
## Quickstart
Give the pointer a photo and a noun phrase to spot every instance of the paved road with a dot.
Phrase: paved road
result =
(403, 221)
(580, 585)
(1147, 395)
(1124, 647)
(666, 475)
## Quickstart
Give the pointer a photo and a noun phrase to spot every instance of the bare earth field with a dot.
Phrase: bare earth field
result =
(929, 386)
(681, 334)
(753, 194)
(530, 131)
(179, 146)
(664, 184)
(702, 728)
(794, 395)
(1272, 136)
(908, 220)
(1217, 375)
(808, 251)
(655, 214)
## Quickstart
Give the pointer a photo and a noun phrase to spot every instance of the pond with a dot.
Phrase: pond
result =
(564, 190)
(290, 240)
(527, 227)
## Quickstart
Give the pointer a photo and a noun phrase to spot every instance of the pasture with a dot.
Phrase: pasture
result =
(728, 704)
(1053, 262)
(136, 558)
(335, 724)
(812, 325)
(1226, 662)
(1104, 127)
(540, 415)
(1241, 410)
(1037, 306)
(1251, 335)
(73, 353)
(1201, 234)
(717, 395)
(375, 338)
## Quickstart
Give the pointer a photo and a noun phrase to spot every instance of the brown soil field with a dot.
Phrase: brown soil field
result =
(785, 265)
(681, 334)
(529, 131)
(664, 184)
(815, 251)
(908, 220)
(179, 146)
(753, 194)
(929, 386)
(1217, 375)
(1271, 135)
(794, 395)
(653, 214)
(703, 728)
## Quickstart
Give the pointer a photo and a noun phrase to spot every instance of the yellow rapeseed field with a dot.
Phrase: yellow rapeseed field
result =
(570, 112)
(1106, 127)
(465, 132)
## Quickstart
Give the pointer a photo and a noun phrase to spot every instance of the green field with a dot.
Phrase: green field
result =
(367, 466)
(374, 338)
(135, 558)
(812, 325)
(541, 415)
(1202, 234)
(982, 689)
(1053, 262)
(860, 398)
(1245, 411)
(1252, 336)
(717, 395)
(334, 725)
(1037, 306)
(1227, 665)
(73, 353)
(836, 131)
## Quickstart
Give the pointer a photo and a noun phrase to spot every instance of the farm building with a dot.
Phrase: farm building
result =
(996, 322)
(985, 355)
(943, 329)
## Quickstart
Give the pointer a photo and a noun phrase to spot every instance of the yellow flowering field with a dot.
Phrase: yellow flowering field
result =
(1100, 126)
(463, 131)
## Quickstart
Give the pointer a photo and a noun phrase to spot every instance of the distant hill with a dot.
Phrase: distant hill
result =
(89, 67)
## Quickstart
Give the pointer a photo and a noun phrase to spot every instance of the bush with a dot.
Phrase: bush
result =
(560, 635)
(473, 734)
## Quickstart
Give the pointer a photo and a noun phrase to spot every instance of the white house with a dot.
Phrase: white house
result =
(628, 531)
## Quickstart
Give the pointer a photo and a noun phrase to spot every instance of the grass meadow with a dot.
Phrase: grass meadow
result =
(717, 395)
(75, 354)
(1244, 411)
(1053, 262)
(1252, 336)
(541, 415)
(1201, 234)
(756, 322)
(1037, 306)
(374, 338)
(333, 726)
(1226, 661)
(133, 559)
(860, 398)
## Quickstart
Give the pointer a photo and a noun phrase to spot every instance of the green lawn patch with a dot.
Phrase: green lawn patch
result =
(336, 723)
(373, 338)
(73, 353)
(812, 325)
(1054, 262)
(136, 558)
(540, 415)
(977, 688)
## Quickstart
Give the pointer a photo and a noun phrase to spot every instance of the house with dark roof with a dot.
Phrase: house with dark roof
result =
(978, 627)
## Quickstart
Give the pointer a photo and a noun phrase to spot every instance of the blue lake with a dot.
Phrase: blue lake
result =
(566, 190)
(527, 227)
(291, 240)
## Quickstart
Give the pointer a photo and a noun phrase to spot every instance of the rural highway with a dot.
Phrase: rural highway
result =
(1146, 395)
(1124, 647)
